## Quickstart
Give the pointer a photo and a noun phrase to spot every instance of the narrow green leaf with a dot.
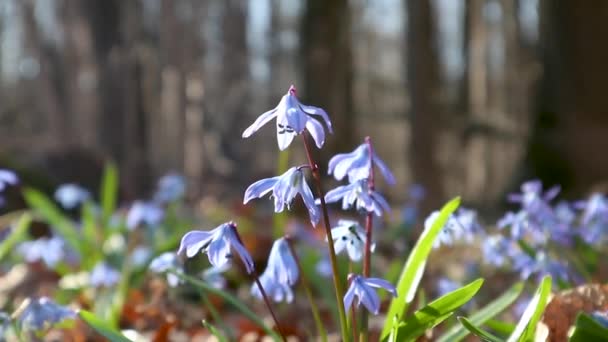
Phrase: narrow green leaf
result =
(501, 327)
(17, 235)
(588, 329)
(483, 335)
(436, 311)
(414, 267)
(47, 210)
(101, 327)
(109, 192)
(214, 331)
(524, 331)
(491, 310)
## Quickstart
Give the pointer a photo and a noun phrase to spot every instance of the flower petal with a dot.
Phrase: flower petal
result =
(259, 188)
(245, 256)
(334, 195)
(193, 241)
(381, 283)
(259, 122)
(388, 175)
(316, 131)
(349, 296)
(309, 201)
(369, 298)
(318, 111)
(219, 251)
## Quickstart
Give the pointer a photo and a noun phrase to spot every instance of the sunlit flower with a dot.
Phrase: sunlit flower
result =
(292, 118)
(170, 188)
(359, 195)
(41, 314)
(217, 244)
(284, 189)
(363, 289)
(71, 195)
(49, 250)
(356, 165)
(7, 178)
(282, 264)
(349, 236)
(104, 275)
(274, 289)
(147, 213)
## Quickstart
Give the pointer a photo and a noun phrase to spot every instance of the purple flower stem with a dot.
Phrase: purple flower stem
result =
(367, 258)
(332, 253)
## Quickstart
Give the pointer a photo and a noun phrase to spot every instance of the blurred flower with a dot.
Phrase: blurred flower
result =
(277, 291)
(217, 244)
(144, 213)
(171, 187)
(359, 195)
(282, 264)
(540, 264)
(496, 249)
(532, 198)
(595, 208)
(323, 266)
(7, 178)
(447, 285)
(165, 262)
(350, 236)
(49, 250)
(71, 195)
(461, 225)
(41, 314)
(213, 276)
(363, 289)
(284, 189)
(292, 118)
(356, 165)
(601, 317)
(104, 275)
(140, 255)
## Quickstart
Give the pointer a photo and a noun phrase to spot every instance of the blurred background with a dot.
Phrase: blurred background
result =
(466, 97)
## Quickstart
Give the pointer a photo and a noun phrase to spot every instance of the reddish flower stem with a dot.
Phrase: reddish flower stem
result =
(367, 258)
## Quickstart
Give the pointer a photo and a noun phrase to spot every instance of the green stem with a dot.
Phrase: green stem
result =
(216, 315)
(267, 301)
(332, 253)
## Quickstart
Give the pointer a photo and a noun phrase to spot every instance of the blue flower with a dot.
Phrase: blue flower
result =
(71, 195)
(447, 285)
(532, 198)
(363, 289)
(217, 244)
(595, 208)
(171, 187)
(356, 165)
(540, 264)
(144, 213)
(359, 195)
(495, 250)
(292, 118)
(274, 289)
(284, 189)
(213, 276)
(164, 263)
(349, 235)
(103, 275)
(140, 255)
(49, 250)
(41, 314)
(7, 178)
(282, 264)
(462, 225)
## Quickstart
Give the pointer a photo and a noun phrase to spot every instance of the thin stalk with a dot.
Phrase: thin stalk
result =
(215, 314)
(332, 253)
(353, 308)
(313, 306)
(364, 335)
(267, 301)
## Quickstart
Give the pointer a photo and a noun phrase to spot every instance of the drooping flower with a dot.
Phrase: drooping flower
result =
(349, 236)
(49, 250)
(164, 263)
(170, 188)
(363, 289)
(274, 289)
(359, 195)
(104, 275)
(282, 264)
(41, 314)
(356, 165)
(284, 189)
(217, 243)
(147, 213)
(7, 178)
(71, 195)
(293, 118)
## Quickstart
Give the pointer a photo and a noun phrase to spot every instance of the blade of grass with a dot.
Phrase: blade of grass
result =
(17, 235)
(482, 334)
(102, 327)
(214, 331)
(524, 331)
(414, 267)
(108, 193)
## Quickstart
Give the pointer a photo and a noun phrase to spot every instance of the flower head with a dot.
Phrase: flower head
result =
(274, 289)
(595, 208)
(164, 263)
(7, 178)
(293, 118)
(71, 195)
(49, 250)
(217, 243)
(349, 235)
(357, 164)
(284, 189)
(170, 188)
(532, 198)
(41, 314)
(104, 275)
(359, 195)
(282, 264)
(144, 213)
(363, 289)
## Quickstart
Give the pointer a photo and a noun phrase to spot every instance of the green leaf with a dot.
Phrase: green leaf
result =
(414, 267)
(101, 327)
(17, 235)
(588, 329)
(47, 210)
(109, 193)
(491, 310)
(436, 311)
(214, 331)
(501, 327)
(524, 330)
(483, 335)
